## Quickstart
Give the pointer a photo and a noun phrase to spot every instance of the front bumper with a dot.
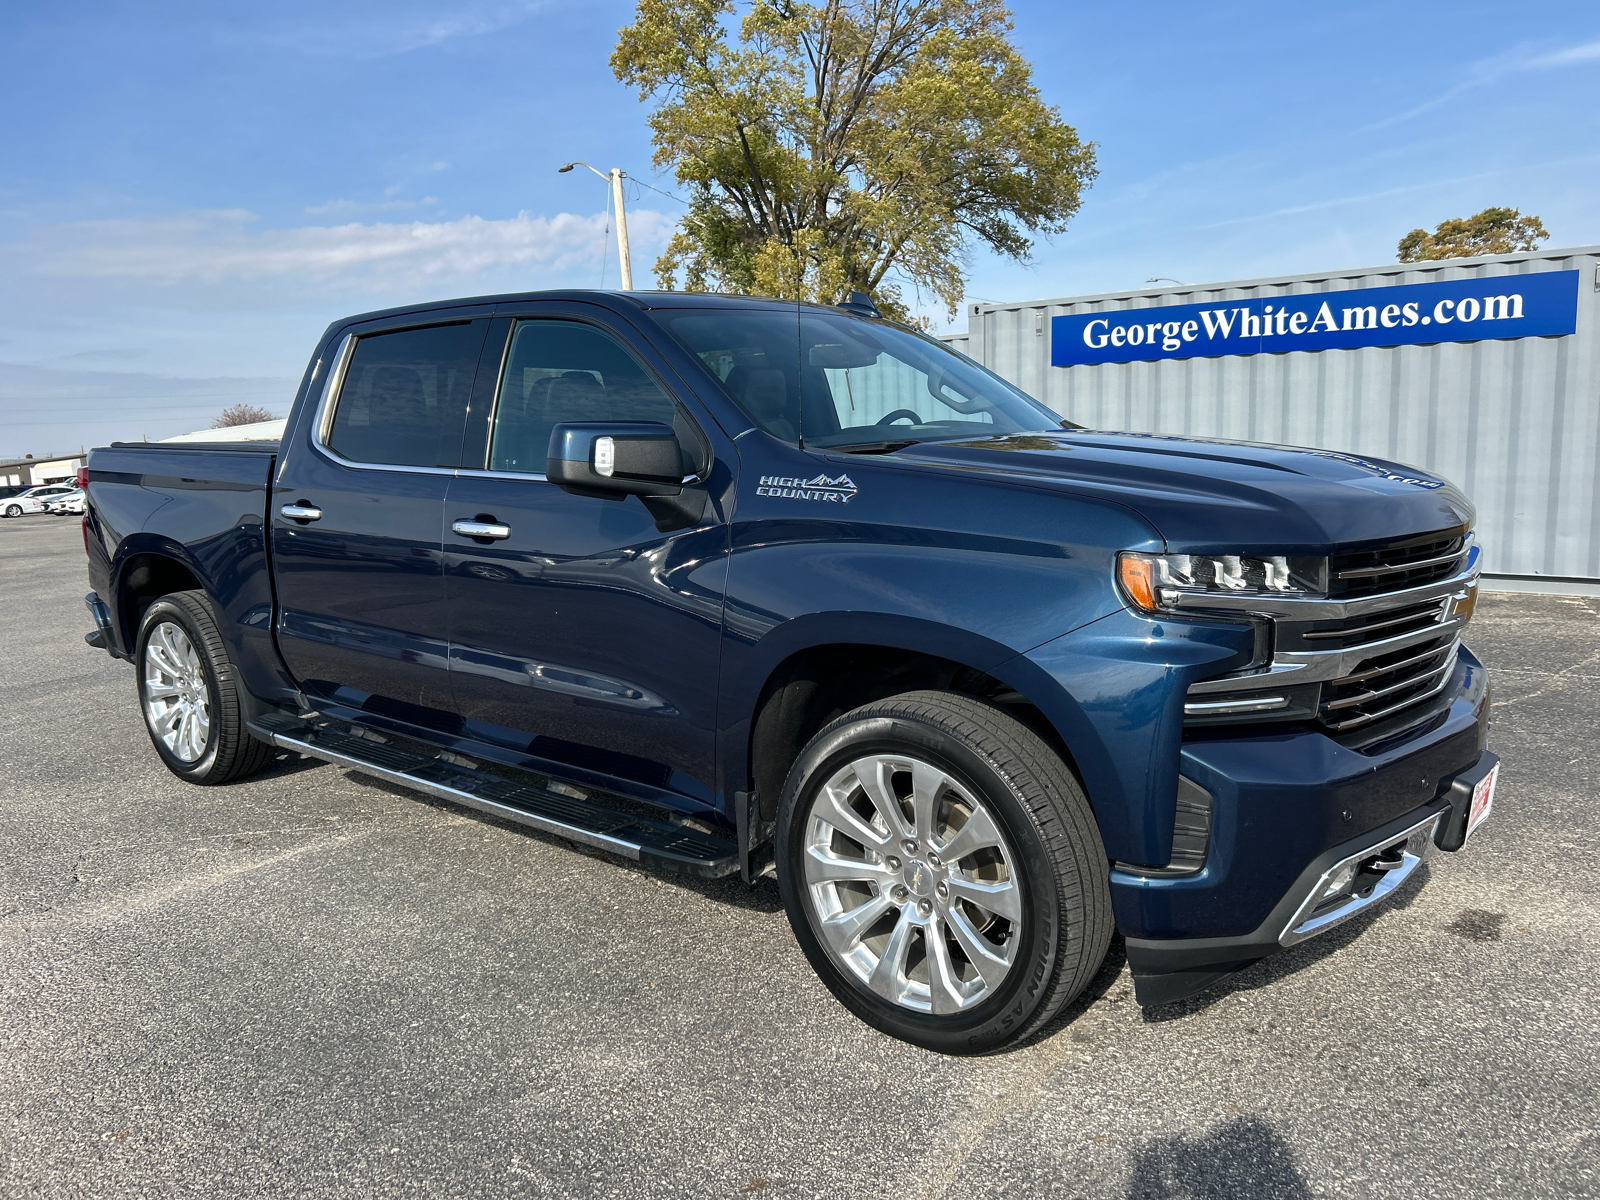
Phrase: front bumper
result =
(1285, 810)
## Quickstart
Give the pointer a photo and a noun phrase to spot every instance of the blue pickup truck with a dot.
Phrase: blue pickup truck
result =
(727, 585)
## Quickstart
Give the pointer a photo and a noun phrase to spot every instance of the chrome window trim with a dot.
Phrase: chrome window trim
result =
(476, 473)
(322, 423)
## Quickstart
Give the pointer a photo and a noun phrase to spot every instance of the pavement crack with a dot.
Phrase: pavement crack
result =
(125, 905)
(1553, 681)
(1016, 1088)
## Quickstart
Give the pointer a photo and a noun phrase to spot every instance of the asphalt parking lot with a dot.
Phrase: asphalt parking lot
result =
(314, 984)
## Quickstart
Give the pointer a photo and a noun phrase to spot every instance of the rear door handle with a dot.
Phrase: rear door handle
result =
(301, 511)
(491, 530)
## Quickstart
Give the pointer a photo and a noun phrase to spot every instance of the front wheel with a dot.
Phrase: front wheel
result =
(189, 692)
(13, 510)
(942, 871)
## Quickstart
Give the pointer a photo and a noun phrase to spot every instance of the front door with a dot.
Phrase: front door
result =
(356, 523)
(584, 637)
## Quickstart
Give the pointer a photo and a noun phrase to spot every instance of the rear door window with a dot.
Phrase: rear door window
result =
(559, 371)
(404, 398)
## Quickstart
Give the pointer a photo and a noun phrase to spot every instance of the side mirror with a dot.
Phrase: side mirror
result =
(616, 459)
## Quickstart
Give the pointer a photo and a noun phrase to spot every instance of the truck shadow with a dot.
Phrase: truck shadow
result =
(1296, 958)
(1244, 1159)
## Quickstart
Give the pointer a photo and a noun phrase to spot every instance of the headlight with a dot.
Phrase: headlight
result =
(1155, 582)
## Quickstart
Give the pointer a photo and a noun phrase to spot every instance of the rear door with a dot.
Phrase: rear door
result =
(356, 520)
(585, 637)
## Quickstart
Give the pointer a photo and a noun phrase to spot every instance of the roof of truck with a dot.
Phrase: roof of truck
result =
(637, 299)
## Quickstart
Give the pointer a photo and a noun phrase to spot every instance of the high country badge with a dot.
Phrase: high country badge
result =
(836, 490)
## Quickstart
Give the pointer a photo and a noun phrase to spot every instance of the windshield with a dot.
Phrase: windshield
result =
(850, 382)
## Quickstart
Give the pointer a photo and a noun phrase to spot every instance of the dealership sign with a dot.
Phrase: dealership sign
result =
(1543, 304)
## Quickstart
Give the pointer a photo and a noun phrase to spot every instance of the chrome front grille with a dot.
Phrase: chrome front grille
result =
(1353, 633)
(1349, 661)
(1396, 566)
(1382, 686)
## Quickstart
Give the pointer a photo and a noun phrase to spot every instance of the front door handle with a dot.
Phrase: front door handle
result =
(300, 510)
(491, 531)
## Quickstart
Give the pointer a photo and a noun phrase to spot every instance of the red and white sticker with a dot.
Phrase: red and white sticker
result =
(1482, 800)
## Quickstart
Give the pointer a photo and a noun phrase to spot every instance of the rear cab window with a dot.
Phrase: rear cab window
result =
(403, 401)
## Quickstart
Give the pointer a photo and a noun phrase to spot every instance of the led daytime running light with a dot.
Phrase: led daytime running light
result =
(1153, 582)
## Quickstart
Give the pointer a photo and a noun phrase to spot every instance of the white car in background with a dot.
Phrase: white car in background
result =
(69, 504)
(34, 499)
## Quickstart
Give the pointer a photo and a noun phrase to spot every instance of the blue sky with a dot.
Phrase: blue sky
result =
(190, 192)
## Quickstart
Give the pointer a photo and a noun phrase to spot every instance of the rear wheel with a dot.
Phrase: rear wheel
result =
(190, 694)
(942, 871)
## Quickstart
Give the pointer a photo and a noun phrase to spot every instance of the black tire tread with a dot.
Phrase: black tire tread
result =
(239, 753)
(1048, 789)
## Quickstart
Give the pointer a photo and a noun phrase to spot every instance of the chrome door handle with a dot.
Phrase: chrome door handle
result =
(481, 529)
(301, 511)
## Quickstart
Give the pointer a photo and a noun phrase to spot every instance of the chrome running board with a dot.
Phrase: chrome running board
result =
(654, 841)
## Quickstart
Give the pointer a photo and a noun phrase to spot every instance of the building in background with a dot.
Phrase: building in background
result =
(259, 431)
(1483, 370)
(31, 472)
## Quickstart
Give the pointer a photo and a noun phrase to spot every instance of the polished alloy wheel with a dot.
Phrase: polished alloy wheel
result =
(912, 884)
(176, 702)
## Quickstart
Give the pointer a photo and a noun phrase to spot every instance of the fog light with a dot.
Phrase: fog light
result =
(1338, 883)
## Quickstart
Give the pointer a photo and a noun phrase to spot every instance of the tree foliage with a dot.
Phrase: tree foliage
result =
(240, 414)
(1492, 231)
(852, 145)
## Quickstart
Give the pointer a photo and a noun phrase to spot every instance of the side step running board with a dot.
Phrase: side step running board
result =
(659, 844)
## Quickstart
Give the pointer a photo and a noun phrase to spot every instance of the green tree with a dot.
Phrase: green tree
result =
(1492, 231)
(854, 145)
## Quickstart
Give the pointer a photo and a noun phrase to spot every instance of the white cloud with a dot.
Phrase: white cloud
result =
(1588, 52)
(1486, 71)
(354, 208)
(399, 32)
(223, 246)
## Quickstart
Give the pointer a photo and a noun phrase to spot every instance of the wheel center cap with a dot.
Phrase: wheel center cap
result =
(919, 878)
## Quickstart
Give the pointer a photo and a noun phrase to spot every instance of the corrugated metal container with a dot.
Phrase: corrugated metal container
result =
(1516, 422)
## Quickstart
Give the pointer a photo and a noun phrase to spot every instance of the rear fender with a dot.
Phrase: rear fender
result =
(232, 569)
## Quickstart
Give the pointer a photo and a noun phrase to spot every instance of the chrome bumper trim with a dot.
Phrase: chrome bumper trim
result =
(1250, 704)
(1416, 845)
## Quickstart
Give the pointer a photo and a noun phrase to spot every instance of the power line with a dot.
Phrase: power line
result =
(658, 191)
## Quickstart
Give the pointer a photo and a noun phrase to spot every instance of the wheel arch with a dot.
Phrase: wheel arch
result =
(823, 666)
(142, 574)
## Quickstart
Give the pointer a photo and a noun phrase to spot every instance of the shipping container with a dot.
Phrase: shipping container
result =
(1515, 420)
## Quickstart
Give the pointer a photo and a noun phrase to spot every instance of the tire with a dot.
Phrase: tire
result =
(1044, 873)
(189, 693)
(13, 510)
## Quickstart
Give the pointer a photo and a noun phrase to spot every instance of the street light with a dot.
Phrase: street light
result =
(1165, 279)
(615, 176)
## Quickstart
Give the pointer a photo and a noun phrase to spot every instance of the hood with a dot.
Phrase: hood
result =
(1206, 495)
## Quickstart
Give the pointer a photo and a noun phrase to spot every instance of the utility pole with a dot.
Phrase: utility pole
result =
(622, 231)
(615, 176)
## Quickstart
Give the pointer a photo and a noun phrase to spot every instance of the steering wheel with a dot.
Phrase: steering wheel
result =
(916, 417)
